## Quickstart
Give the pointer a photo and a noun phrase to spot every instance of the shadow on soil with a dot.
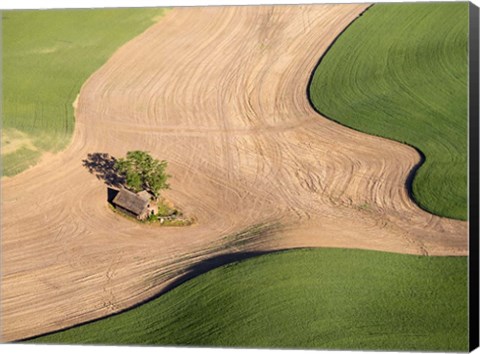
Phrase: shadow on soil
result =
(210, 264)
(102, 165)
(191, 272)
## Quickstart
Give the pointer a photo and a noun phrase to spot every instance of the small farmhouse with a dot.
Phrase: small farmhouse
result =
(137, 205)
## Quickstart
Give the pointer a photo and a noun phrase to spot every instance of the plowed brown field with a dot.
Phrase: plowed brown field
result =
(220, 92)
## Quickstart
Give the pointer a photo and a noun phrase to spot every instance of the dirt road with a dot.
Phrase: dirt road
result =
(220, 93)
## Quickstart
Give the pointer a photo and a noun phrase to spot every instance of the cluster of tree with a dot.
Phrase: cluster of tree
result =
(143, 172)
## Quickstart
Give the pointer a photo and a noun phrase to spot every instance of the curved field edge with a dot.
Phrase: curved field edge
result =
(400, 72)
(47, 56)
(304, 298)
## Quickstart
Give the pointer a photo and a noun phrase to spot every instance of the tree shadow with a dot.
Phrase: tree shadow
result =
(102, 165)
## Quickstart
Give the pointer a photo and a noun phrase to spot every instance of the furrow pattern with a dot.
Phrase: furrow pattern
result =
(220, 92)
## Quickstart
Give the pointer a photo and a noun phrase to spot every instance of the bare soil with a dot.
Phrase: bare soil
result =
(220, 92)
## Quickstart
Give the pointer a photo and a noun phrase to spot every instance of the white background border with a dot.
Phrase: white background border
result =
(56, 4)
(49, 4)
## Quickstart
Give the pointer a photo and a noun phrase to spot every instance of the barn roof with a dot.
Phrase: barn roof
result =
(145, 195)
(130, 201)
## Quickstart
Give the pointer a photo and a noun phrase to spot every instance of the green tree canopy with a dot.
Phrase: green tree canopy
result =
(142, 171)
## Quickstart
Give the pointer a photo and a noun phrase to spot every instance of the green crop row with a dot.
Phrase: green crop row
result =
(400, 71)
(312, 298)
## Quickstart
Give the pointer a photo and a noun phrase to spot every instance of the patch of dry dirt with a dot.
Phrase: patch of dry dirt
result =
(220, 92)
(13, 140)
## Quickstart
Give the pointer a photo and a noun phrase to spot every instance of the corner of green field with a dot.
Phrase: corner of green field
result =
(47, 56)
(400, 71)
(304, 298)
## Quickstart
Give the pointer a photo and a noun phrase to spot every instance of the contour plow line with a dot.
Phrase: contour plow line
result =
(219, 92)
